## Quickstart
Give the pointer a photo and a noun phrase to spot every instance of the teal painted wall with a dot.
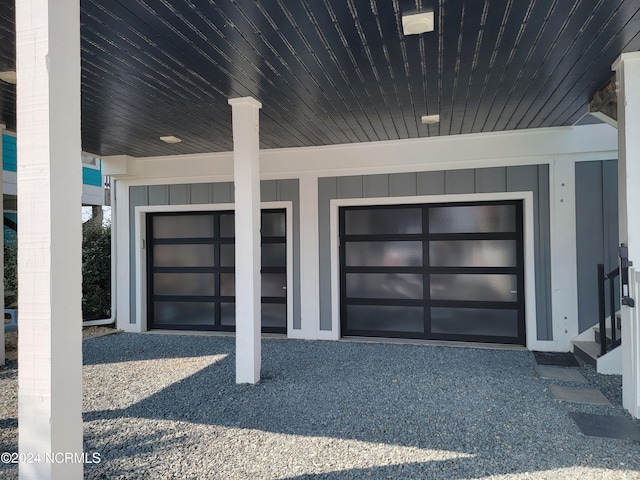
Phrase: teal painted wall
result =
(9, 158)
(90, 176)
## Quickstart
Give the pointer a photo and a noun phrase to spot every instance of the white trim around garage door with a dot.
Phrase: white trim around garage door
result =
(141, 257)
(529, 249)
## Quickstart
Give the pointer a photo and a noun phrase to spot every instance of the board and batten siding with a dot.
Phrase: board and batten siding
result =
(596, 232)
(532, 178)
(214, 193)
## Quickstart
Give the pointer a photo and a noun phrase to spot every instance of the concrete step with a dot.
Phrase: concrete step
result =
(587, 351)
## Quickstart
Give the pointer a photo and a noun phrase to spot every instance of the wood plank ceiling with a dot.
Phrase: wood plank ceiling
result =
(332, 71)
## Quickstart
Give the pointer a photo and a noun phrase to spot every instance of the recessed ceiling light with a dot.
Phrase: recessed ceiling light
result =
(418, 23)
(430, 119)
(9, 77)
(170, 139)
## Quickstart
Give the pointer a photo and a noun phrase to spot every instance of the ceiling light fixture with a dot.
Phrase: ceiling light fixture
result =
(170, 139)
(430, 119)
(9, 77)
(418, 23)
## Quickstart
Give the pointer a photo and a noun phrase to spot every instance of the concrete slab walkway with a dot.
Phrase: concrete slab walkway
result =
(560, 373)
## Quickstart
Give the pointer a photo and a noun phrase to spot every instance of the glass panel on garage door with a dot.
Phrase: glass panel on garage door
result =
(191, 264)
(434, 271)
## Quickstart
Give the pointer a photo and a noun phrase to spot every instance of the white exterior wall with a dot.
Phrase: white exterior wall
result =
(559, 148)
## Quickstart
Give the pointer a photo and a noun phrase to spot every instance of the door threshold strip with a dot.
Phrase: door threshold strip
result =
(438, 343)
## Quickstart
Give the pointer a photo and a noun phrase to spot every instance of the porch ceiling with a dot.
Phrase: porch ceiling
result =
(332, 71)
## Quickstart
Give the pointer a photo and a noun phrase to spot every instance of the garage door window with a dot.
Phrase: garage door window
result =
(191, 265)
(434, 271)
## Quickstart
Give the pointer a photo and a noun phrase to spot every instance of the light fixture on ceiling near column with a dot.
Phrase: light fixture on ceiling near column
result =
(170, 139)
(418, 23)
(430, 119)
(9, 77)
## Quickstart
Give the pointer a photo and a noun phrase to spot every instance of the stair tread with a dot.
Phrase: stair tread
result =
(590, 348)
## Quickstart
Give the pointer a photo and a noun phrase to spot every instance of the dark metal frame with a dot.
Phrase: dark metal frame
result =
(215, 241)
(426, 270)
(606, 344)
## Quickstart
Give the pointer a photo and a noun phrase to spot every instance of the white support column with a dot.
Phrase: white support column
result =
(627, 69)
(49, 262)
(246, 177)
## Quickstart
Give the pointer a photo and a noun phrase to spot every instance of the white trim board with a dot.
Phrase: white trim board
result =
(563, 253)
(141, 257)
(497, 149)
(529, 251)
(120, 219)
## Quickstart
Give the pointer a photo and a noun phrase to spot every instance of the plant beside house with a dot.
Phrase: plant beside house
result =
(96, 271)
(11, 272)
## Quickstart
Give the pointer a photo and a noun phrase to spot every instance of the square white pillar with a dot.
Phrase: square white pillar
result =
(246, 178)
(50, 237)
(627, 69)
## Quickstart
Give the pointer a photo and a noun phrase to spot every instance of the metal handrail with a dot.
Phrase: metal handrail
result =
(602, 279)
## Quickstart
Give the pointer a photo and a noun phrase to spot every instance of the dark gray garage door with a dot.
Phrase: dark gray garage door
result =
(435, 271)
(191, 265)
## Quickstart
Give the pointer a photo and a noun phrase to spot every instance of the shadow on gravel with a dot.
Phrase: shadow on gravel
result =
(484, 404)
(131, 347)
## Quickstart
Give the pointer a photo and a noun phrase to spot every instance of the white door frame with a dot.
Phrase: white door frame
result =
(528, 237)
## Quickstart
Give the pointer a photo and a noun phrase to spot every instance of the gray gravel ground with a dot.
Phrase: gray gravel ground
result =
(166, 406)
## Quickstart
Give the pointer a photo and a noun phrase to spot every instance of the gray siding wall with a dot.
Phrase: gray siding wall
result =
(534, 178)
(203, 193)
(596, 232)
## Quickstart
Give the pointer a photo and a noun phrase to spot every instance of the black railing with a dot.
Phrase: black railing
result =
(602, 307)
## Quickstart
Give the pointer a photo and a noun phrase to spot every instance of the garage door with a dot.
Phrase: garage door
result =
(191, 265)
(436, 271)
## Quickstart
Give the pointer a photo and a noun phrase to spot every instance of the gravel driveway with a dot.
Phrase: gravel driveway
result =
(166, 406)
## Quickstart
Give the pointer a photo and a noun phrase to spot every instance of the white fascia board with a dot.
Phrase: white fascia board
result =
(521, 147)
(115, 166)
(178, 167)
(172, 167)
(447, 152)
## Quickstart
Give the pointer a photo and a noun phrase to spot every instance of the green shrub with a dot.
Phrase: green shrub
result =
(11, 272)
(96, 271)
